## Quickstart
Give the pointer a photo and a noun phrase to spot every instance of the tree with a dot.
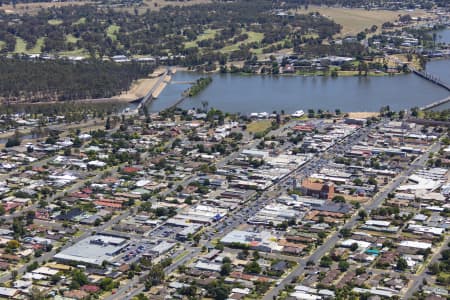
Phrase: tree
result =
(156, 276)
(252, 268)
(362, 214)
(326, 261)
(37, 294)
(343, 265)
(372, 181)
(402, 265)
(339, 199)
(78, 278)
(107, 284)
(13, 244)
(354, 247)
(54, 279)
(225, 270)
(346, 232)
(108, 124)
(434, 268)
(358, 182)
(12, 142)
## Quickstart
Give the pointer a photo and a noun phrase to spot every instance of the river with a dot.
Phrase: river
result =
(246, 94)
(443, 36)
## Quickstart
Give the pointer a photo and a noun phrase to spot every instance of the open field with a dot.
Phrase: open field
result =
(21, 46)
(259, 126)
(208, 34)
(33, 8)
(354, 20)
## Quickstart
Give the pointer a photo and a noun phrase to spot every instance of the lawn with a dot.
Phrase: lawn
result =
(2, 44)
(354, 20)
(259, 126)
(55, 21)
(112, 31)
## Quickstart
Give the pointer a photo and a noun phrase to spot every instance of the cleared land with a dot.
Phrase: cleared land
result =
(355, 20)
(258, 126)
(141, 87)
(363, 115)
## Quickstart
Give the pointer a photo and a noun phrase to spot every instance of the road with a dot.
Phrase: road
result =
(332, 241)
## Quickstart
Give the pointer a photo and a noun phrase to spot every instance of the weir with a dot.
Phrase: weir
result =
(149, 96)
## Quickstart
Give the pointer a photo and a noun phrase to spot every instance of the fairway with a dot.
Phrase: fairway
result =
(112, 31)
(252, 37)
(355, 20)
(208, 34)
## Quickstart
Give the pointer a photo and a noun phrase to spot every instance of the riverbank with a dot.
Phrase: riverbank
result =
(142, 87)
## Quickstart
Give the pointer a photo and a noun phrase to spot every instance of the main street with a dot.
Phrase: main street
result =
(333, 240)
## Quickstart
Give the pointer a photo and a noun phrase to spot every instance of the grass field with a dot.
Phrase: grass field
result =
(37, 47)
(258, 126)
(252, 37)
(21, 45)
(55, 22)
(80, 21)
(208, 34)
(71, 39)
(354, 20)
(112, 31)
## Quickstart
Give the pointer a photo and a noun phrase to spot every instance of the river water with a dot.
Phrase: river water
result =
(246, 94)
(443, 36)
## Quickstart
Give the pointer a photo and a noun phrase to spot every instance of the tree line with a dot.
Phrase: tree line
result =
(23, 80)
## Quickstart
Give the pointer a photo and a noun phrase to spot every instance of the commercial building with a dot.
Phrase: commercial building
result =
(93, 250)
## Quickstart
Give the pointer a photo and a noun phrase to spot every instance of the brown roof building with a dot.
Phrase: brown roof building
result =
(317, 189)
